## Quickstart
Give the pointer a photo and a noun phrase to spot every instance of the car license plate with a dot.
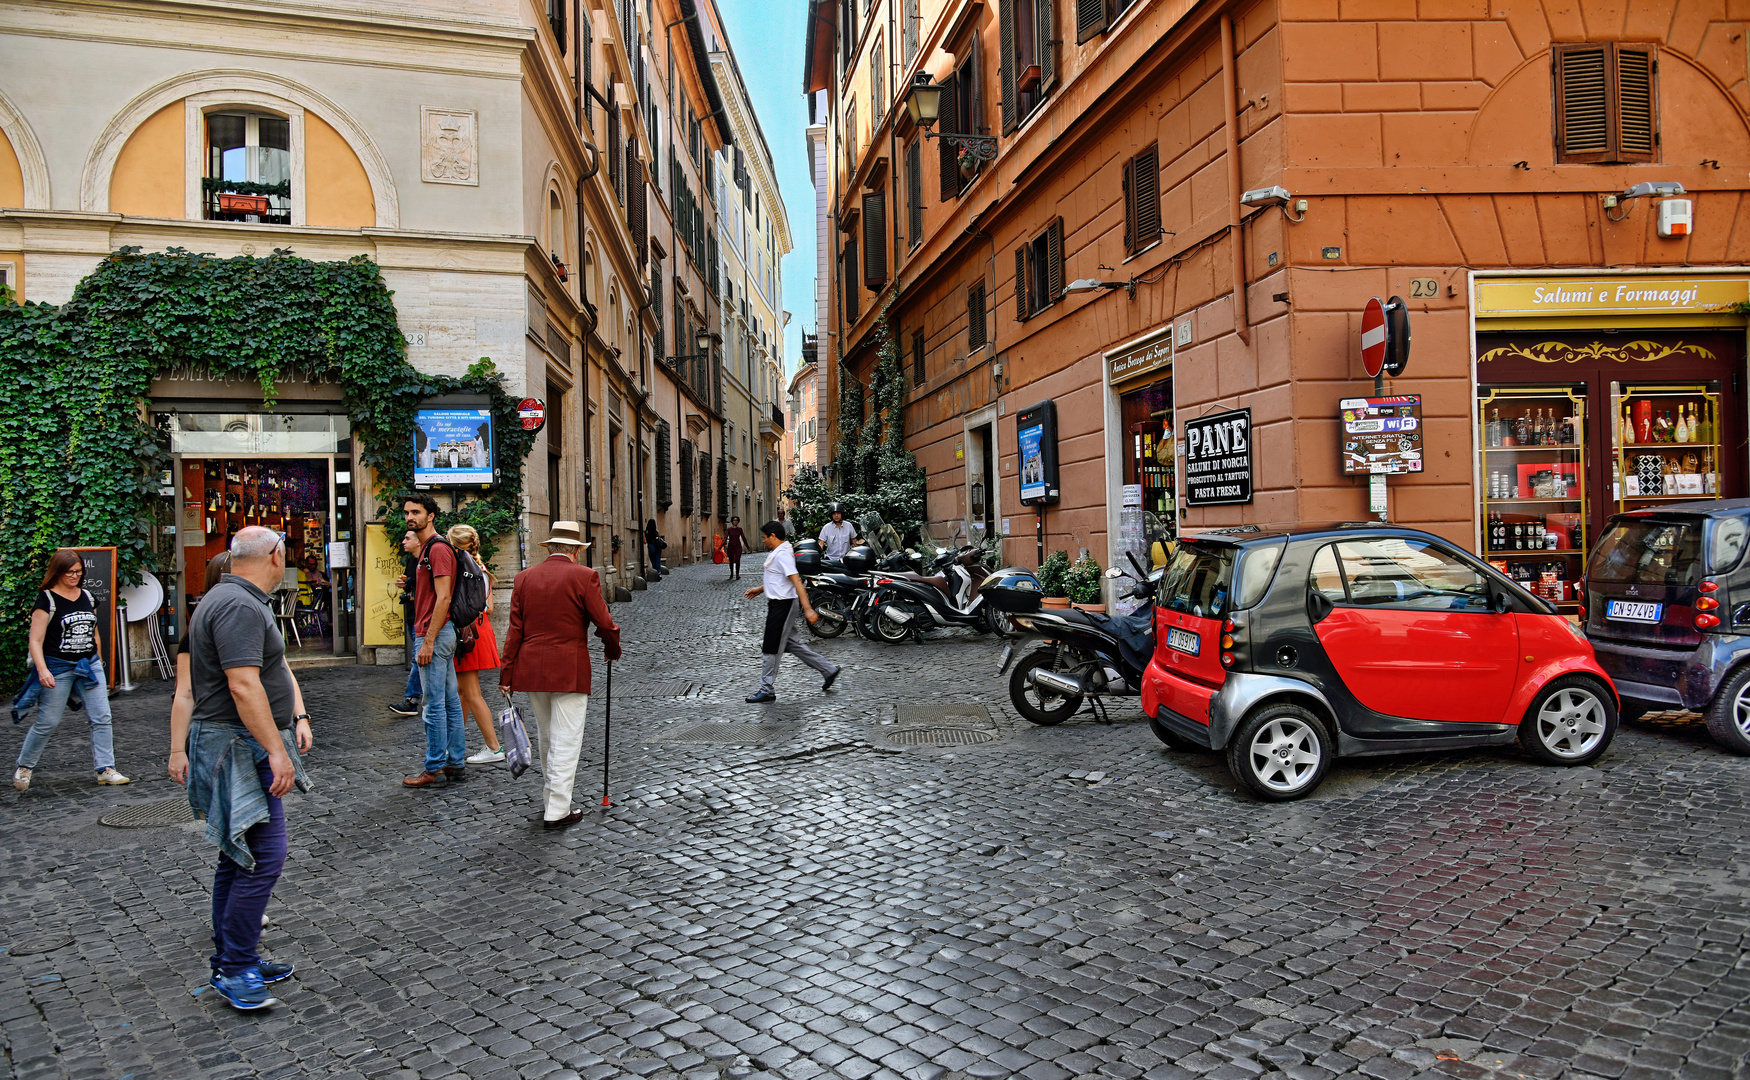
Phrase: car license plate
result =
(1003, 660)
(1184, 641)
(1632, 611)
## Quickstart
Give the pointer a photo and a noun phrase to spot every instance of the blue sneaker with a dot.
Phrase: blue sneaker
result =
(272, 971)
(246, 991)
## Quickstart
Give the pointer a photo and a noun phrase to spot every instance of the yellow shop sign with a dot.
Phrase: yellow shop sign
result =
(1609, 295)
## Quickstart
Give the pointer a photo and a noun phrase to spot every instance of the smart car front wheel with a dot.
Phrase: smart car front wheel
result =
(1570, 722)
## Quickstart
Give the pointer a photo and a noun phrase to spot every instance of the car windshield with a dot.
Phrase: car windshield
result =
(1647, 551)
(1199, 580)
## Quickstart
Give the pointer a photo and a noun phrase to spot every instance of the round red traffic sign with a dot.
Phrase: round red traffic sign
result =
(532, 412)
(1373, 337)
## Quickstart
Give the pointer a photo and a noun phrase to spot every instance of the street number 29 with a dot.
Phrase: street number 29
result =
(1424, 288)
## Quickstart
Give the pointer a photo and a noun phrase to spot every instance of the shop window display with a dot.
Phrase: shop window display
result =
(1149, 463)
(1533, 447)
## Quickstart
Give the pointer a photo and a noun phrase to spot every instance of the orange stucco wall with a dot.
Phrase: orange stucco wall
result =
(149, 178)
(11, 176)
(336, 191)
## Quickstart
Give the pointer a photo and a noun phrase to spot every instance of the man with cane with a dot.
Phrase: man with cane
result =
(546, 655)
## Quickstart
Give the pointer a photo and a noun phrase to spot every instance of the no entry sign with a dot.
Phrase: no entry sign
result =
(1385, 336)
(1373, 336)
(533, 413)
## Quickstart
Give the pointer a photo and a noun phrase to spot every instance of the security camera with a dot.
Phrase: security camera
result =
(1265, 196)
(1658, 189)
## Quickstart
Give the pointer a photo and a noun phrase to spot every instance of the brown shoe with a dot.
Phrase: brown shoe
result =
(424, 779)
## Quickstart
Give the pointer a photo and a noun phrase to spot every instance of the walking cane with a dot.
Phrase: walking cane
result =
(608, 734)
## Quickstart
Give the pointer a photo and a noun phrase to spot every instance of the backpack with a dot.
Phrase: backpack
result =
(468, 599)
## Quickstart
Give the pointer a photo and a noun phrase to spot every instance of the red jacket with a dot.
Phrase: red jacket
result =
(551, 606)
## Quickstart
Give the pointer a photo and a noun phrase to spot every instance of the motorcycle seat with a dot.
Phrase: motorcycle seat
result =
(941, 583)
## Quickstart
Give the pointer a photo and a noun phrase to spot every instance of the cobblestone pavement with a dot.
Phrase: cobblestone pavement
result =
(822, 896)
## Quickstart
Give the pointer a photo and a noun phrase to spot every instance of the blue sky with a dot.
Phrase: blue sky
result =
(767, 36)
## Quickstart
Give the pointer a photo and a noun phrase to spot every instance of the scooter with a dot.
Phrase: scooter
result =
(906, 604)
(1085, 656)
(840, 590)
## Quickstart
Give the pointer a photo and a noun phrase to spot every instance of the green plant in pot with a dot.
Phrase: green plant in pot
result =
(1083, 582)
(1053, 577)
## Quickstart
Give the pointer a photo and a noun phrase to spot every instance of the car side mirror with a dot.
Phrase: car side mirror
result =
(1499, 602)
(1318, 605)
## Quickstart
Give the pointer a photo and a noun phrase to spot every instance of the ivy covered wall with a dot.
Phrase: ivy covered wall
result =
(81, 457)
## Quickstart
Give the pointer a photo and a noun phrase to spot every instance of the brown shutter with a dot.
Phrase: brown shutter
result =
(972, 86)
(909, 33)
(1006, 61)
(1129, 206)
(852, 297)
(975, 317)
(949, 125)
(875, 239)
(1054, 262)
(1582, 80)
(1021, 312)
(635, 209)
(914, 183)
(1146, 181)
(1047, 49)
(1090, 19)
(1636, 132)
(917, 357)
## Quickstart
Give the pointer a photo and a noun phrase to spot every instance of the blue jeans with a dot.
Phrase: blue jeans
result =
(53, 705)
(412, 679)
(655, 557)
(240, 896)
(444, 744)
(412, 667)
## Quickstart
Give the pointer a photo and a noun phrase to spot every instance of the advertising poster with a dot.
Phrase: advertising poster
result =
(453, 448)
(379, 597)
(1032, 462)
(1382, 434)
(1218, 458)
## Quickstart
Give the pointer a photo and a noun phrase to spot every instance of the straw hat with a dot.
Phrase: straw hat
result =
(566, 532)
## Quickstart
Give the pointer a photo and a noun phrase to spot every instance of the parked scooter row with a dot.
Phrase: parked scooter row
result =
(885, 592)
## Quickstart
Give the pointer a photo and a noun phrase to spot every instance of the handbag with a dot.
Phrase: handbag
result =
(514, 737)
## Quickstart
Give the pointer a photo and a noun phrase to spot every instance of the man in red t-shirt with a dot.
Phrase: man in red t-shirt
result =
(434, 638)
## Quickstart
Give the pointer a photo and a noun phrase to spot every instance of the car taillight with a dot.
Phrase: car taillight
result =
(1227, 658)
(1227, 643)
(1710, 586)
(1706, 622)
(1706, 603)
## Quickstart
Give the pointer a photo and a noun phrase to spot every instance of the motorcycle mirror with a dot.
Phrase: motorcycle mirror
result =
(1131, 555)
(1115, 572)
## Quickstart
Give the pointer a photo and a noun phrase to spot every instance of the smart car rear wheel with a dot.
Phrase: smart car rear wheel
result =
(1570, 722)
(1728, 718)
(1280, 752)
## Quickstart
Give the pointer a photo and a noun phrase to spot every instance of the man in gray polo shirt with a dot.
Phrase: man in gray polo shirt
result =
(243, 756)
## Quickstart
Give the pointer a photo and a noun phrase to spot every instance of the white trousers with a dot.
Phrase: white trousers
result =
(560, 720)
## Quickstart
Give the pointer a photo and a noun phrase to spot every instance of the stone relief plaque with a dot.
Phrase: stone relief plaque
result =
(449, 147)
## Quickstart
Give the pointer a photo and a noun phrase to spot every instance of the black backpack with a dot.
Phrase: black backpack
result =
(468, 598)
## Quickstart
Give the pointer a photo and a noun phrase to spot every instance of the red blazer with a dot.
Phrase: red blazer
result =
(551, 606)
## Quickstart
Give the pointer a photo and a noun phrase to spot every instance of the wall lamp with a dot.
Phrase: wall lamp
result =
(1275, 196)
(1646, 189)
(924, 103)
(1089, 284)
(703, 340)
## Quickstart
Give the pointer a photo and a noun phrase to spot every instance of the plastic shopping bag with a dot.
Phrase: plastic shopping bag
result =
(514, 737)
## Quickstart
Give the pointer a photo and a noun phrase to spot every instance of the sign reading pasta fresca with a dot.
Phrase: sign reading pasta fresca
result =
(1613, 294)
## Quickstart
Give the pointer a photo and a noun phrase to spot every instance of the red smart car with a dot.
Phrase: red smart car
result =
(1288, 649)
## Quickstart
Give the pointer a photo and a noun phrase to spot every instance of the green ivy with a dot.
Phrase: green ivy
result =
(82, 463)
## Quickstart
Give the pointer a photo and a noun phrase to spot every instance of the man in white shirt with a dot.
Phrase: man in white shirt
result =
(785, 596)
(836, 535)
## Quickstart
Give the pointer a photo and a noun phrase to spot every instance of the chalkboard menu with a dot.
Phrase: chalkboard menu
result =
(100, 582)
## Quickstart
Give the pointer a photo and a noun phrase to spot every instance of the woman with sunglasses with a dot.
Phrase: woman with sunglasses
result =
(63, 652)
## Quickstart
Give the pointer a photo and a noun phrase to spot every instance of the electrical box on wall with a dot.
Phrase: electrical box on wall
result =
(1675, 217)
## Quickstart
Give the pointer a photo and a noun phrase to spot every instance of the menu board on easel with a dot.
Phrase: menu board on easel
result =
(99, 581)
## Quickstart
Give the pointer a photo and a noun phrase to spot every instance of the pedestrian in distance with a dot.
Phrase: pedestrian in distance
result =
(246, 730)
(482, 657)
(789, 524)
(546, 655)
(654, 543)
(64, 663)
(733, 541)
(786, 597)
(412, 702)
(434, 640)
(836, 535)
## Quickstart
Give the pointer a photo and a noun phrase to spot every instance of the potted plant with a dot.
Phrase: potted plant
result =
(968, 164)
(1052, 574)
(1083, 583)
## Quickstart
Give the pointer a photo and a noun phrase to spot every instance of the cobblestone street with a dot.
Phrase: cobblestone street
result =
(895, 879)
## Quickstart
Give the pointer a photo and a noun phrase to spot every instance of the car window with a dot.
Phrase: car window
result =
(1198, 579)
(1728, 543)
(1401, 572)
(1647, 551)
(1325, 577)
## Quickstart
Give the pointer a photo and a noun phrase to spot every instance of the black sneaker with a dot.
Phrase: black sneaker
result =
(830, 679)
(761, 698)
(408, 707)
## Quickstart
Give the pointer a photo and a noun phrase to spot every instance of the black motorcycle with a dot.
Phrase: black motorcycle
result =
(840, 590)
(1084, 655)
(905, 605)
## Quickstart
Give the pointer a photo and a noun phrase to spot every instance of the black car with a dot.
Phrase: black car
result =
(1666, 603)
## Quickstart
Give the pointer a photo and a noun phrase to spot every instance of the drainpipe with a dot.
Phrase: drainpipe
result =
(1230, 105)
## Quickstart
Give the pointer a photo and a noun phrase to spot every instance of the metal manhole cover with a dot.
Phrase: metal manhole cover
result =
(941, 736)
(728, 734)
(148, 814)
(944, 714)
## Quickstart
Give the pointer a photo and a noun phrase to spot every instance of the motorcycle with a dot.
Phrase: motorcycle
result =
(839, 591)
(1084, 656)
(906, 604)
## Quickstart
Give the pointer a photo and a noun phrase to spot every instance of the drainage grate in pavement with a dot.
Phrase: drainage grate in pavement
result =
(667, 690)
(935, 715)
(149, 814)
(728, 734)
(941, 736)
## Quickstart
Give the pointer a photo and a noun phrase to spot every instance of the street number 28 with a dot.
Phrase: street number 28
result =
(1424, 288)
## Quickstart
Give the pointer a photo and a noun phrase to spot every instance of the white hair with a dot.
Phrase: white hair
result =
(254, 542)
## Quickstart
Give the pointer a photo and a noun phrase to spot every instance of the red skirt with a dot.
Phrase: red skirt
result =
(484, 655)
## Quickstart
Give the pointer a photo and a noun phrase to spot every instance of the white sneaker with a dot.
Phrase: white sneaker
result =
(21, 778)
(110, 776)
(486, 756)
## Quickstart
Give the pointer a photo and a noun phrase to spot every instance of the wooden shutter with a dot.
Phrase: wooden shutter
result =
(1054, 262)
(877, 82)
(874, 239)
(615, 166)
(949, 125)
(1021, 311)
(1130, 205)
(909, 32)
(917, 357)
(1637, 135)
(914, 191)
(704, 483)
(1090, 19)
(1047, 50)
(1582, 77)
(635, 206)
(686, 478)
(1145, 176)
(850, 277)
(723, 487)
(1006, 61)
(975, 336)
(588, 62)
(664, 481)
